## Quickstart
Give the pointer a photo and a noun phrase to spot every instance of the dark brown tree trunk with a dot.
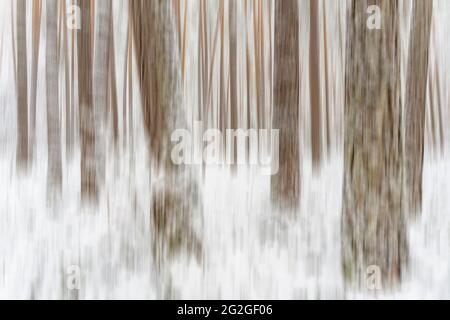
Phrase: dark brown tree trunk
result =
(416, 91)
(373, 223)
(285, 185)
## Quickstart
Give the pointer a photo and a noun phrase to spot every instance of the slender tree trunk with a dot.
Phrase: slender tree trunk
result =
(327, 89)
(69, 103)
(285, 185)
(175, 196)
(87, 117)
(314, 83)
(53, 124)
(416, 91)
(22, 156)
(36, 23)
(233, 76)
(100, 88)
(373, 224)
(113, 84)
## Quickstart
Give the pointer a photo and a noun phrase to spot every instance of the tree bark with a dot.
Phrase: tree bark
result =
(36, 23)
(100, 88)
(53, 124)
(373, 223)
(285, 185)
(233, 77)
(314, 83)
(87, 117)
(175, 196)
(416, 91)
(22, 156)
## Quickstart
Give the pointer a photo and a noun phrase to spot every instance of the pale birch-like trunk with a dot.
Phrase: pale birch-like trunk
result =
(416, 91)
(285, 185)
(373, 223)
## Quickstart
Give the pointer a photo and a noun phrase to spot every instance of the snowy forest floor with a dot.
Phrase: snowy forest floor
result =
(249, 251)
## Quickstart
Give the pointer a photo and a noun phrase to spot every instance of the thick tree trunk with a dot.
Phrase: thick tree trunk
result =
(285, 185)
(87, 117)
(22, 90)
(314, 83)
(53, 125)
(175, 196)
(416, 90)
(373, 224)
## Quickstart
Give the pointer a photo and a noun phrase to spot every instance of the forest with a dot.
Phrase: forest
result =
(224, 149)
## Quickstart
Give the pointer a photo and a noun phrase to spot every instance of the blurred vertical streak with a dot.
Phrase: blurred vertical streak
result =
(314, 84)
(35, 42)
(233, 76)
(100, 84)
(373, 222)
(113, 83)
(285, 185)
(89, 187)
(53, 121)
(176, 196)
(22, 156)
(416, 90)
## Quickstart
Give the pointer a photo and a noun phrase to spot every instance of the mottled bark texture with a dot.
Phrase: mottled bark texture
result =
(314, 83)
(22, 158)
(416, 90)
(54, 176)
(89, 187)
(175, 194)
(373, 224)
(285, 185)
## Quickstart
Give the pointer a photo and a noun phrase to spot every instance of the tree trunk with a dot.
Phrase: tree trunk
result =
(100, 88)
(416, 91)
(87, 117)
(53, 125)
(285, 185)
(22, 90)
(36, 23)
(113, 85)
(373, 224)
(233, 78)
(175, 196)
(314, 83)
